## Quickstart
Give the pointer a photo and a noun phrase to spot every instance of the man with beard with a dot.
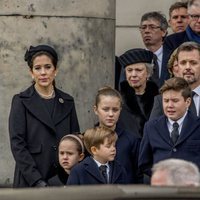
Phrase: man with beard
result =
(188, 55)
(153, 29)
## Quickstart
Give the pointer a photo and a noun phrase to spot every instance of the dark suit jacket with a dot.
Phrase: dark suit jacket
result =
(34, 134)
(157, 109)
(172, 41)
(156, 145)
(87, 172)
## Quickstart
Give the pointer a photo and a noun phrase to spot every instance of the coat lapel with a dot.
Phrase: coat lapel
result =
(36, 106)
(92, 168)
(115, 172)
(162, 129)
(63, 106)
(190, 123)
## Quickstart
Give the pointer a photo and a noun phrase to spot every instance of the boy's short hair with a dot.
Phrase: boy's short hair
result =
(177, 84)
(96, 136)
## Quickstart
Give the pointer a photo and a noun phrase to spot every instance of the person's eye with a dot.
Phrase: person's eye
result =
(175, 17)
(106, 109)
(115, 109)
(37, 68)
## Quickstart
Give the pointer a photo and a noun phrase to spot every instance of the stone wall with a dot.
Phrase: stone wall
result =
(83, 34)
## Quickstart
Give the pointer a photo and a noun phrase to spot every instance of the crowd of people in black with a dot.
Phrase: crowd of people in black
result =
(151, 115)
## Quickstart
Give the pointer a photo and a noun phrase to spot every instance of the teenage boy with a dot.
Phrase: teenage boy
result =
(100, 167)
(176, 133)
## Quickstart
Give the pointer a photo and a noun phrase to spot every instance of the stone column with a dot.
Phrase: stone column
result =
(83, 33)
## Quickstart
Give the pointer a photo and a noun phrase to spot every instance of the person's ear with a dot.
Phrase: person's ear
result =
(81, 156)
(93, 150)
(56, 71)
(31, 73)
(95, 110)
(188, 101)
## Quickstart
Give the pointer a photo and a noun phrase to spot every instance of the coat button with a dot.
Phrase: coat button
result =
(174, 150)
(54, 148)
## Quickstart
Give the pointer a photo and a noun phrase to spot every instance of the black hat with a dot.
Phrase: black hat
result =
(33, 50)
(134, 56)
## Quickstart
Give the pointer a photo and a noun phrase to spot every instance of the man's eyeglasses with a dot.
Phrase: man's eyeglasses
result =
(195, 17)
(150, 27)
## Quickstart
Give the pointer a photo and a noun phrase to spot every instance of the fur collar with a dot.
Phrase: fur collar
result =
(147, 99)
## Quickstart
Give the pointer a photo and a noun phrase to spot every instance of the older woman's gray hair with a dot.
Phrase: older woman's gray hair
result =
(178, 172)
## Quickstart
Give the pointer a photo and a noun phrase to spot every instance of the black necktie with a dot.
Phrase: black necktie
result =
(175, 133)
(155, 75)
(192, 105)
(103, 172)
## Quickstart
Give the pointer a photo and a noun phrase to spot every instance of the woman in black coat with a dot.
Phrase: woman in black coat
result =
(137, 90)
(40, 116)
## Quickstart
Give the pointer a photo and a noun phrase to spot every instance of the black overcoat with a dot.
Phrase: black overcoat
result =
(34, 134)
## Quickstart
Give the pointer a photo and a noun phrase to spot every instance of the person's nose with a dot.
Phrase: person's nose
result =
(65, 156)
(134, 73)
(110, 113)
(114, 149)
(43, 71)
(170, 104)
(179, 19)
(188, 66)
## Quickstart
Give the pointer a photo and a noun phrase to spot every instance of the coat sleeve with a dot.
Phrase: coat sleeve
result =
(157, 109)
(73, 178)
(17, 130)
(145, 160)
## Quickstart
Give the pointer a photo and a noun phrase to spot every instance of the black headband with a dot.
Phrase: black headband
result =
(33, 50)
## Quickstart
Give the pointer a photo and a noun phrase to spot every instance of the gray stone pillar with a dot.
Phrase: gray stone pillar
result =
(82, 31)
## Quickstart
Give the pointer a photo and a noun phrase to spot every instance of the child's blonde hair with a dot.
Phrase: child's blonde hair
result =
(96, 136)
(107, 91)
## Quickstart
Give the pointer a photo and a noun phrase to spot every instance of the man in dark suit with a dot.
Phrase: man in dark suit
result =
(153, 29)
(188, 55)
(176, 133)
(100, 168)
(192, 32)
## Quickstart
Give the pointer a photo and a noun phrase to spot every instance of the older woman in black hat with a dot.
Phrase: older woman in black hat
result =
(40, 116)
(137, 90)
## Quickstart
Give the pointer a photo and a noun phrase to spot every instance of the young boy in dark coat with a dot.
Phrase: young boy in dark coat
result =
(100, 167)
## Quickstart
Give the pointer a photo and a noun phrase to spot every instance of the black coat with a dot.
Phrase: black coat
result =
(60, 179)
(87, 173)
(132, 118)
(34, 134)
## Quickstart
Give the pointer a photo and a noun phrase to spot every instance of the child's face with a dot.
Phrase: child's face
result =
(108, 111)
(68, 155)
(106, 151)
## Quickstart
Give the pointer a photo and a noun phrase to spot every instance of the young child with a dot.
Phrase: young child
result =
(100, 167)
(108, 104)
(70, 152)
